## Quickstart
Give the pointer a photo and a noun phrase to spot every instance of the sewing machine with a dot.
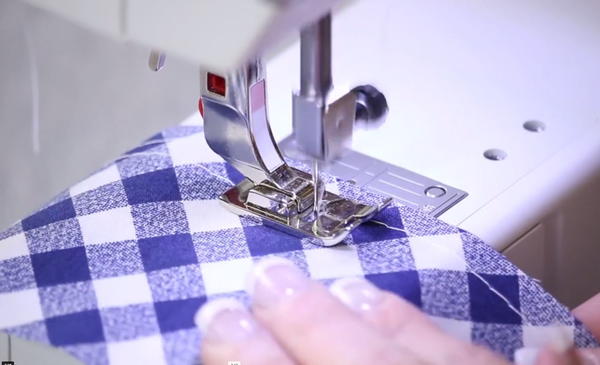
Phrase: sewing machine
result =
(449, 72)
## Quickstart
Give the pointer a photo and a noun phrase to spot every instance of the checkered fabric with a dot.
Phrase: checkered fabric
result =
(113, 269)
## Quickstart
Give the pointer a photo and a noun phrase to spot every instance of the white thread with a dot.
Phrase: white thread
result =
(469, 269)
(215, 175)
(142, 154)
(538, 281)
(35, 92)
(388, 226)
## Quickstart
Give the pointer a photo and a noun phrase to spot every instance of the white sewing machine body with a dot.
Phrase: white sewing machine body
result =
(461, 78)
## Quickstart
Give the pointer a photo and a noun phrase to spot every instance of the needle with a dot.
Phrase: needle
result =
(317, 188)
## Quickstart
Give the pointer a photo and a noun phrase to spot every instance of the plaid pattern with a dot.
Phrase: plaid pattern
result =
(114, 269)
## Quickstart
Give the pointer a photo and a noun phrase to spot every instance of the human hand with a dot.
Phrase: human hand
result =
(295, 320)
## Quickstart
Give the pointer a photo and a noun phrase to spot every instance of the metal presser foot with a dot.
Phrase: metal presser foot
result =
(236, 127)
(290, 207)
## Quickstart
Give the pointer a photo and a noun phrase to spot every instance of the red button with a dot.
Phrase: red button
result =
(215, 84)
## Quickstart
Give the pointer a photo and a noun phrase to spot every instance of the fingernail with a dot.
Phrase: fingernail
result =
(273, 279)
(225, 320)
(557, 338)
(356, 293)
(526, 355)
(589, 357)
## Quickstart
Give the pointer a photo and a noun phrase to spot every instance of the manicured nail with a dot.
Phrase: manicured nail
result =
(527, 355)
(557, 338)
(356, 293)
(225, 320)
(273, 279)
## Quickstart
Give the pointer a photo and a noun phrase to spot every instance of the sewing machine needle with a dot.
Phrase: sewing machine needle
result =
(318, 188)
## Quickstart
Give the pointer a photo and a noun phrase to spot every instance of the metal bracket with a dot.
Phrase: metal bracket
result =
(290, 208)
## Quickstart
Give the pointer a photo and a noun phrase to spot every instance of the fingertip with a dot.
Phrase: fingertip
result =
(589, 356)
(273, 280)
(526, 356)
(211, 310)
(551, 346)
(260, 271)
(548, 355)
(356, 293)
(230, 332)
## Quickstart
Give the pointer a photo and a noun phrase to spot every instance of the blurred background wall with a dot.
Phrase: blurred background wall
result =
(97, 98)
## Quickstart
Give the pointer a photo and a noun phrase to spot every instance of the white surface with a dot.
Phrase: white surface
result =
(461, 77)
(212, 33)
(179, 26)
(538, 193)
(103, 16)
(218, 35)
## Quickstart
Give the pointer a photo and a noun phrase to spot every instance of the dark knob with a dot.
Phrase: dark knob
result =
(371, 106)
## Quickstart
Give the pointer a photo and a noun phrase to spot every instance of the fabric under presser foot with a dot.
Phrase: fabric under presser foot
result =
(114, 268)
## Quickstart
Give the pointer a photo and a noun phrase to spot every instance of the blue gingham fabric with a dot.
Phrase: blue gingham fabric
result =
(114, 269)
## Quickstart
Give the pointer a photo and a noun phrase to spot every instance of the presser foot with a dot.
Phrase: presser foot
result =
(290, 208)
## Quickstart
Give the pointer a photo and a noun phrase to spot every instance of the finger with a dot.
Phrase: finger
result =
(230, 333)
(408, 326)
(313, 326)
(384, 310)
(553, 347)
(589, 356)
(589, 313)
(550, 356)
